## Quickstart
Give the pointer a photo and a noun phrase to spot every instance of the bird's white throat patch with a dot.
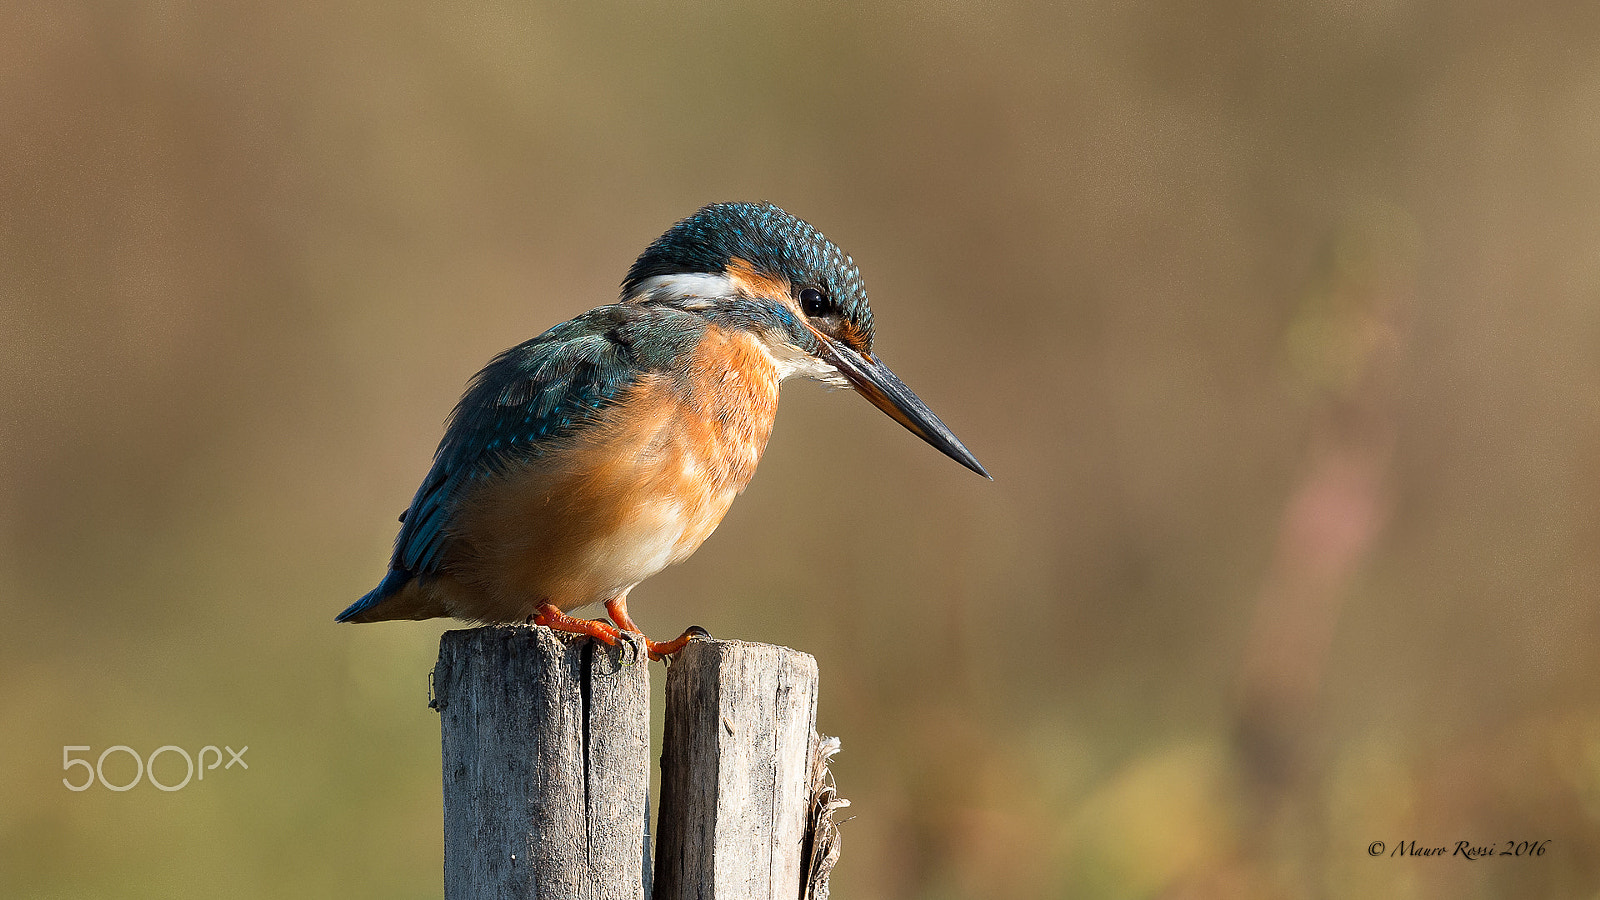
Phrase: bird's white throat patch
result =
(791, 360)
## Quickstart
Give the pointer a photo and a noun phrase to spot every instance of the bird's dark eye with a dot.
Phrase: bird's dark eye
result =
(813, 303)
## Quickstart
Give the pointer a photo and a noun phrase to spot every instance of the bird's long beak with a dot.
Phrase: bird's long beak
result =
(873, 380)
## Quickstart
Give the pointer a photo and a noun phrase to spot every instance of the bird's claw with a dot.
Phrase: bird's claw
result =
(626, 647)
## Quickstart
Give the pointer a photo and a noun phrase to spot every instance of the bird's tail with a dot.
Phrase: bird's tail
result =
(370, 607)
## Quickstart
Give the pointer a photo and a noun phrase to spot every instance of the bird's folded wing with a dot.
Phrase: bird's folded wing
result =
(532, 399)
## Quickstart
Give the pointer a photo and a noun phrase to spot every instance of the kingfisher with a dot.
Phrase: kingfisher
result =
(583, 461)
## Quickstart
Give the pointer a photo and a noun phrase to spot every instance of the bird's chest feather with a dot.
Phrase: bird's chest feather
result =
(687, 443)
(634, 492)
(657, 477)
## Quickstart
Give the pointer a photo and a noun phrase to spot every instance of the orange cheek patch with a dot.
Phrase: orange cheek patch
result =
(745, 277)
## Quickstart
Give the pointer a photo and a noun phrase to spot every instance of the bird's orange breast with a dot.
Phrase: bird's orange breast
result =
(632, 494)
(689, 441)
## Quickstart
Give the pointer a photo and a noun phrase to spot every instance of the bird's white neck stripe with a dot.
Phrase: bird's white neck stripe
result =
(678, 288)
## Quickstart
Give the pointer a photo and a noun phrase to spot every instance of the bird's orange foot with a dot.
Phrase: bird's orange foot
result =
(555, 619)
(660, 650)
(618, 611)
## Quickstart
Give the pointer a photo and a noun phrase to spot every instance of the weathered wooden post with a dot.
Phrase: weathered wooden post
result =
(738, 763)
(546, 771)
(546, 765)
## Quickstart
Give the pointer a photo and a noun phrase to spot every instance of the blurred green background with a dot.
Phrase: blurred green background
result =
(1278, 325)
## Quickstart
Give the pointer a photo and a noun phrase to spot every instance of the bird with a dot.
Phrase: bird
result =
(581, 462)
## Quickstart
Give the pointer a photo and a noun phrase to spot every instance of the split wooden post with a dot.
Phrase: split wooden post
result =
(546, 752)
(737, 771)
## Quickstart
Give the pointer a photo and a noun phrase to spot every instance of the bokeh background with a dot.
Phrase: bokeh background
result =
(1278, 325)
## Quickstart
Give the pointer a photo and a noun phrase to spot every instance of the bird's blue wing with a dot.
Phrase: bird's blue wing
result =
(535, 396)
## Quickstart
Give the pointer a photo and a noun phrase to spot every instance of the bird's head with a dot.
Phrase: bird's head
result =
(755, 267)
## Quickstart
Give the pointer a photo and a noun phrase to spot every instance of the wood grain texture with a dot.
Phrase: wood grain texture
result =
(546, 745)
(736, 772)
